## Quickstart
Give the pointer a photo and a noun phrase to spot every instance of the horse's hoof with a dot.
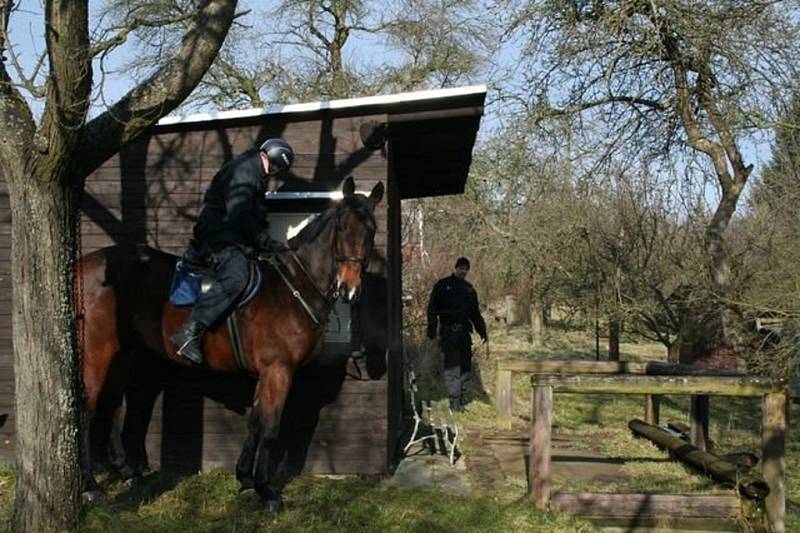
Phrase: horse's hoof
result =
(248, 494)
(274, 505)
(91, 496)
(126, 472)
(133, 481)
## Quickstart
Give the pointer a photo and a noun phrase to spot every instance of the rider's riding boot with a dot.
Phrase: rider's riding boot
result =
(189, 340)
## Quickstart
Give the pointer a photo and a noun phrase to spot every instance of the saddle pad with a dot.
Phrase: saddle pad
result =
(187, 286)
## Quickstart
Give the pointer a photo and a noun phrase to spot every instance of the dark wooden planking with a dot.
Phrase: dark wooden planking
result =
(197, 144)
(597, 504)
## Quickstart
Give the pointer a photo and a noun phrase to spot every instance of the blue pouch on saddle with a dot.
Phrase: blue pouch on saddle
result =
(185, 289)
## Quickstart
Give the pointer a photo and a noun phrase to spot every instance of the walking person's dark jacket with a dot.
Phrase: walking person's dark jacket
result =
(453, 301)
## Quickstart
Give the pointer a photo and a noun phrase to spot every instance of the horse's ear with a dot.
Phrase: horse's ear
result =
(349, 187)
(376, 194)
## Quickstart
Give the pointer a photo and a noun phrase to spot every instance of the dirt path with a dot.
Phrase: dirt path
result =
(497, 457)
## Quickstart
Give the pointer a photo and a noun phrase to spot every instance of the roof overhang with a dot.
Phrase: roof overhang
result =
(430, 134)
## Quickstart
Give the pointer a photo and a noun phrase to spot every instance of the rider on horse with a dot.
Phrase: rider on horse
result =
(232, 220)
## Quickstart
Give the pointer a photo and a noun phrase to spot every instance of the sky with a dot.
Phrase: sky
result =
(27, 35)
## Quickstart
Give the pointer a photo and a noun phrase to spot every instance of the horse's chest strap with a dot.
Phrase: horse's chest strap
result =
(294, 291)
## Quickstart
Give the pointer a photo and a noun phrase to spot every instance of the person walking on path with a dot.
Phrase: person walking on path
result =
(453, 313)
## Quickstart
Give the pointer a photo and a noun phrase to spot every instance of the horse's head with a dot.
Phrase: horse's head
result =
(354, 235)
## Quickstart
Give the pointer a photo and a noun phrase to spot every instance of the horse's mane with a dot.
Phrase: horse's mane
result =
(311, 231)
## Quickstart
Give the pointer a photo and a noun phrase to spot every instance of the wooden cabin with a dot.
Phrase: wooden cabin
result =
(344, 413)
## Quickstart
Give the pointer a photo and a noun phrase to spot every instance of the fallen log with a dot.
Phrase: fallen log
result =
(679, 427)
(682, 430)
(744, 460)
(749, 485)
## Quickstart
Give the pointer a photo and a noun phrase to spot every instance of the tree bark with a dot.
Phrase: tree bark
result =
(47, 374)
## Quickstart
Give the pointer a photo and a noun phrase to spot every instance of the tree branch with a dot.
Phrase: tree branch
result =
(69, 82)
(16, 121)
(132, 24)
(584, 106)
(162, 92)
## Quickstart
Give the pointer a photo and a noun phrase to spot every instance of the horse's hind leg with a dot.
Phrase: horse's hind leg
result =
(244, 466)
(253, 467)
(149, 378)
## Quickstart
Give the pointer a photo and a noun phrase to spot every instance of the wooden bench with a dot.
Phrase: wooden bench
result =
(774, 426)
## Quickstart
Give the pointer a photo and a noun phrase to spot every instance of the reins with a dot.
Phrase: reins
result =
(296, 293)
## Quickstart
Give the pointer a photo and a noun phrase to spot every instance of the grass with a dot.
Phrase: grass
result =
(207, 502)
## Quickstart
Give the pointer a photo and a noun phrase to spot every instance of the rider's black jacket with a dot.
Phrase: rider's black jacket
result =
(453, 300)
(234, 210)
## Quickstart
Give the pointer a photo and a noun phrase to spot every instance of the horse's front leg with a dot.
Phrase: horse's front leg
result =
(252, 469)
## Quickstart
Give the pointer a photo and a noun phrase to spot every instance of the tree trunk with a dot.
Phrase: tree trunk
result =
(49, 401)
(674, 351)
(537, 325)
(719, 266)
(613, 339)
(511, 310)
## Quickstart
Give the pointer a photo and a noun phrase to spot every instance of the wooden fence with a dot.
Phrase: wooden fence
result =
(699, 411)
(774, 426)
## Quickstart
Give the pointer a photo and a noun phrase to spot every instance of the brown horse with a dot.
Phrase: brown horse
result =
(124, 299)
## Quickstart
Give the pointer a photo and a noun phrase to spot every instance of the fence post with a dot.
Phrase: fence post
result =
(773, 438)
(652, 408)
(698, 422)
(504, 400)
(541, 427)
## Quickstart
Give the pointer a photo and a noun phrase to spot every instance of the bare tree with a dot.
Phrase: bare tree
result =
(321, 49)
(45, 165)
(664, 76)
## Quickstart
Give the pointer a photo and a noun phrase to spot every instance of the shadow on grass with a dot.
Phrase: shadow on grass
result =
(204, 502)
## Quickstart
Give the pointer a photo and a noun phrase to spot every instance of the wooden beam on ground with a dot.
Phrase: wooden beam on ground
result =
(698, 421)
(773, 434)
(589, 503)
(622, 384)
(539, 463)
(711, 513)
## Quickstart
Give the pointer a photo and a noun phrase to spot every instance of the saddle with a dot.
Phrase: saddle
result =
(191, 279)
(189, 282)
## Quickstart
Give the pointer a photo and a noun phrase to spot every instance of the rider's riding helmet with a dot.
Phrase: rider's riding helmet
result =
(280, 155)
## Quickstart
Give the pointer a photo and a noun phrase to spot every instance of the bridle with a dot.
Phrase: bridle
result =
(341, 258)
(333, 292)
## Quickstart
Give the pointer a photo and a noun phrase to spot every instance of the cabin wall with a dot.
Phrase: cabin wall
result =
(151, 192)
